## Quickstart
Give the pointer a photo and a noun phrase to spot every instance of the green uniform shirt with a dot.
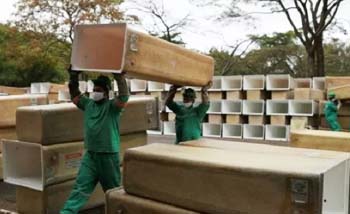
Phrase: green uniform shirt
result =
(188, 120)
(101, 124)
(331, 110)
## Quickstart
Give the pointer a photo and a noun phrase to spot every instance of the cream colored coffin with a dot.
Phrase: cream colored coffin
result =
(117, 201)
(331, 82)
(36, 166)
(51, 200)
(239, 181)
(56, 123)
(308, 94)
(341, 92)
(60, 123)
(344, 122)
(9, 104)
(141, 114)
(13, 90)
(116, 48)
(318, 139)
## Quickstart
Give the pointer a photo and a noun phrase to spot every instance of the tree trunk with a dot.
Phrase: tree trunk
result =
(320, 67)
(311, 64)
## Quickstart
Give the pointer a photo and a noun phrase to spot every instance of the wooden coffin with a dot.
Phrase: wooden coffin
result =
(210, 180)
(331, 82)
(343, 111)
(116, 48)
(320, 139)
(56, 123)
(52, 198)
(9, 104)
(308, 94)
(35, 166)
(341, 92)
(13, 90)
(117, 201)
(7, 133)
(60, 123)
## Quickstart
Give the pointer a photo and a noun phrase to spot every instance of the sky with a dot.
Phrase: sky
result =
(203, 32)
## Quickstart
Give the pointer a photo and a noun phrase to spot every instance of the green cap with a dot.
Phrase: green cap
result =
(331, 95)
(189, 93)
(104, 82)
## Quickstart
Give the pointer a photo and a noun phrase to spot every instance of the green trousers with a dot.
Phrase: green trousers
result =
(333, 123)
(95, 167)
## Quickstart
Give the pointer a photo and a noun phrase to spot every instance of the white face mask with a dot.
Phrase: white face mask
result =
(187, 105)
(97, 96)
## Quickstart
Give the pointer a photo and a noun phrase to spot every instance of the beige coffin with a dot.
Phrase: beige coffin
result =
(141, 114)
(116, 48)
(35, 166)
(217, 181)
(57, 123)
(319, 139)
(341, 92)
(331, 82)
(117, 201)
(13, 90)
(279, 120)
(51, 200)
(308, 94)
(60, 123)
(255, 95)
(9, 104)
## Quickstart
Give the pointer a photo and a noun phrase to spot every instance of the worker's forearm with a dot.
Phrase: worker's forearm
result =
(74, 85)
(170, 97)
(122, 87)
(205, 97)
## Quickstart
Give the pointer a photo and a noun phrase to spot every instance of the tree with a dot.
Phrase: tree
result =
(163, 26)
(25, 59)
(58, 17)
(316, 16)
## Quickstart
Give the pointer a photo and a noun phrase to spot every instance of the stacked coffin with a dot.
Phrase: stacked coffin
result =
(45, 159)
(211, 176)
(8, 106)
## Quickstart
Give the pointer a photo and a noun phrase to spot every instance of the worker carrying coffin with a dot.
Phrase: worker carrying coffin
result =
(101, 136)
(331, 111)
(188, 116)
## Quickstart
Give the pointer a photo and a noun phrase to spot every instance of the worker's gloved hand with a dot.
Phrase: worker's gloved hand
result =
(205, 88)
(335, 101)
(174, 88)
(119, 76)
(72, 73)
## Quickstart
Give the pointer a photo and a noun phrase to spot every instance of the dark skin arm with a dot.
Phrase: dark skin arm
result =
(73, 85)
(205, 96)
(171, 94)
(122, 88)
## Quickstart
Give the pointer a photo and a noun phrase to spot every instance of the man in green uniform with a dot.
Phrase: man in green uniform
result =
(101, 137)
(188, 117)
(331, 112)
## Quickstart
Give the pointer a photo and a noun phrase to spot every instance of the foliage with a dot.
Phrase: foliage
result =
(26, 57)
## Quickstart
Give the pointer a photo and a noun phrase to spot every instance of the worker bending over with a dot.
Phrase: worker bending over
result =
(101, 137)
(331, 111)
(188, 117)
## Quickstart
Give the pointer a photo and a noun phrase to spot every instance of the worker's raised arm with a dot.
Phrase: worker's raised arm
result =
(171, 94)
(73, 85)
(205, 96)
(123, 91)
